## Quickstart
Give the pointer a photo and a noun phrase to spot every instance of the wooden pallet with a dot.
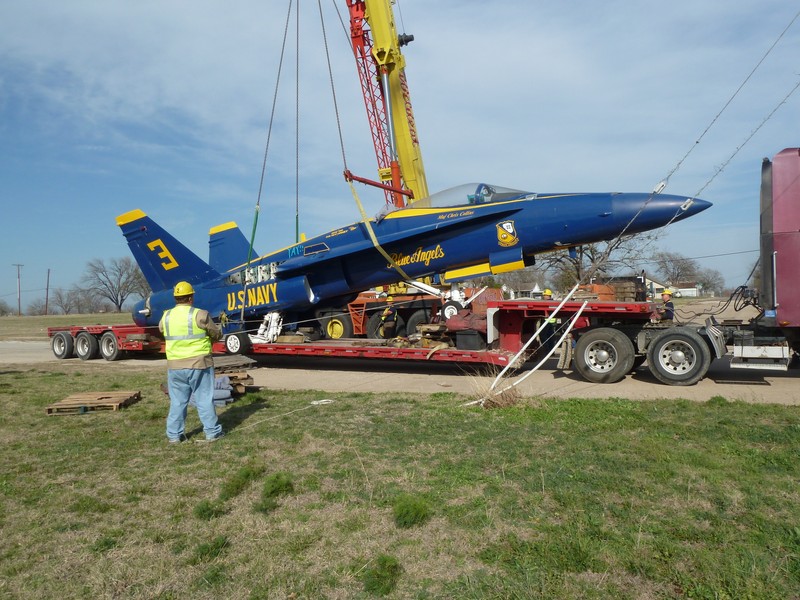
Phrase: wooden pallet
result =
(239, 382)
(234, 362)
(89, 401)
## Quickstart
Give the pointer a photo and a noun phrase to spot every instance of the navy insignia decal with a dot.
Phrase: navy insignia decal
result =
(507, 234)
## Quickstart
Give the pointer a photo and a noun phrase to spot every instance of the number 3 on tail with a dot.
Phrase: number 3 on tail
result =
(169, 260)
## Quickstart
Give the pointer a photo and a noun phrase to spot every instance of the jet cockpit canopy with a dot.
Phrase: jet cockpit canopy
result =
(470, 194)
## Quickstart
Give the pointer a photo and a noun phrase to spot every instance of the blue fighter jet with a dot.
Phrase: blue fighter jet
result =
(461, 233)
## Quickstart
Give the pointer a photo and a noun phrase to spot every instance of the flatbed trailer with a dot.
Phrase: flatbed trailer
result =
(493, 338)
(88, 342)
(608, 341)
(115, 342)
(373, 349)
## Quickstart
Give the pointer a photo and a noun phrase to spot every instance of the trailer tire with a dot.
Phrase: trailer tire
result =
(238, 343)
(679, 356)
(603, 355)
(419, 317)
(375, 326)
(338, 326)
(87, 347)
(62, 345)
(109, 346)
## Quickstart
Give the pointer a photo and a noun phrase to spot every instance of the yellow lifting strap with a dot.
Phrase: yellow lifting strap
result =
(374, 239)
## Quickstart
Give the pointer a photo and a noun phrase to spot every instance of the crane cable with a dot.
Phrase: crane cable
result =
(266, 154)
(364, 218)
(736, 93)
(297, 127)
(664, 182)
(613, 244)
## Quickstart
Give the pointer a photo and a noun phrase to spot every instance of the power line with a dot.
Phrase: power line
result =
(653, 261)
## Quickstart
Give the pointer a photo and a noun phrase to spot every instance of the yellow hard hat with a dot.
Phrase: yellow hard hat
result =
(548, 292)
(667, 292)
(389, 298)
(183, 288)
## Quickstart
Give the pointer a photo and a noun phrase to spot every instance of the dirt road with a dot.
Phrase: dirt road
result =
(383, 376)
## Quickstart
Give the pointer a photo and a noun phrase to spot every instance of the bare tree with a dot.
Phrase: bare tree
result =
(36, 307)
(5, 309)
(65, 300)
(675, 268)
(140, 287)
(88, 302)
(114, 281)
(567, 268)
(710, 281)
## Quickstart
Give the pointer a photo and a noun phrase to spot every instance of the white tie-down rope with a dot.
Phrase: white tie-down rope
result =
(311, 404)
(572, 322)
(513, 361)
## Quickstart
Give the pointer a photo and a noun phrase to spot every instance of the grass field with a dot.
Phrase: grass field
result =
(35, 328)
(393, 495)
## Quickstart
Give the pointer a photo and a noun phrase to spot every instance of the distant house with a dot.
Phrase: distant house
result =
(654, 288)
(686, 289)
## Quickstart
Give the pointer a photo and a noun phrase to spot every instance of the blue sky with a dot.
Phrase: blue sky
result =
(163, 106)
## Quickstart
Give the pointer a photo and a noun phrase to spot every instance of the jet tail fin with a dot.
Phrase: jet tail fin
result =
(227, 247)
(164, 261)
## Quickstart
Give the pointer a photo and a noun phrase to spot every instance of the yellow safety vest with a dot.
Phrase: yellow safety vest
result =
(184, 338)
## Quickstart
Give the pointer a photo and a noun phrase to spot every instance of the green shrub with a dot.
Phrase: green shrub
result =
(237, 483)
(104, 544)
(410, 511)
(207, 510)
(275, 485)
(266, 505)
(209, 551)
(381, 576)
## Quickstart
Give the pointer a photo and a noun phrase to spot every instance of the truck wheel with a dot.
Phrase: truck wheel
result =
(375, 326)
(419, 317)
(338, 326)
(679, 357)
(109, 346)
(603, 355)
(62, 345)
(86, 346)
(237, 343)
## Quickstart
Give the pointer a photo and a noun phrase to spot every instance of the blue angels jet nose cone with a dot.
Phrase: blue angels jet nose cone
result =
(650, 211)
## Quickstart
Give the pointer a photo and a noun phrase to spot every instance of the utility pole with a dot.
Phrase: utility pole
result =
(47, 293)
(19, 297)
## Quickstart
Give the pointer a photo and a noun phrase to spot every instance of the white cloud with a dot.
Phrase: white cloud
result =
(108, 106)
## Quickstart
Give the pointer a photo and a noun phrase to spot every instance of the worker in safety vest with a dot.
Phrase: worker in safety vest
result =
(666, 311)
(189, 333)
(389, 318)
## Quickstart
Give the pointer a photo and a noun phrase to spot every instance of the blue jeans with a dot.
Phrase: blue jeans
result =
(182, 384)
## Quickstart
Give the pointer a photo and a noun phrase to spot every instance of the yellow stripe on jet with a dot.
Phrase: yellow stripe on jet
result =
(130, 217)
(481, 270)
(411, 211)
(223, 227)
(509, 266)
(468, 272)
